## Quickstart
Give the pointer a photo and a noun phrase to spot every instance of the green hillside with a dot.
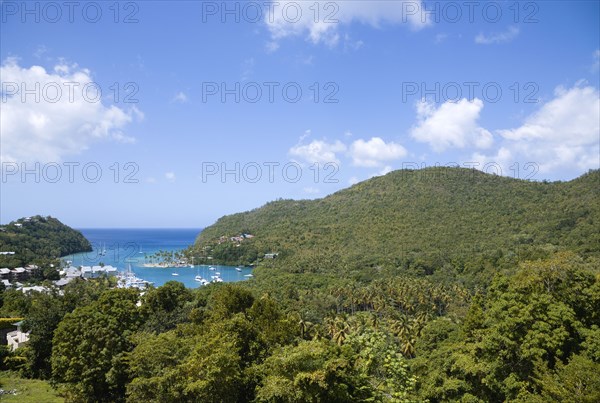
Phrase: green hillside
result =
(419, 220)
(38, 237)
(439, 285)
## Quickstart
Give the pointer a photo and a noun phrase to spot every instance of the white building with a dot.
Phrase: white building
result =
(5, 273)
(17, 338)
(36, 288)
(98, 271)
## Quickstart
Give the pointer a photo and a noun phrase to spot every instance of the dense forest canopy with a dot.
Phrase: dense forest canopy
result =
(419, 286)
(422, 220)
(38, 237)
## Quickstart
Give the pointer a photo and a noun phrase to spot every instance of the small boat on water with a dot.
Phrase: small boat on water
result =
(129, 280)
(174, 274)
(201, 280)
(238, 269)
(248, 275)
(211, 268)
(216, 279)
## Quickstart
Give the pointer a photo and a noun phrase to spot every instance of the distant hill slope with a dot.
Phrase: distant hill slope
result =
(424, 218)
(38, 237)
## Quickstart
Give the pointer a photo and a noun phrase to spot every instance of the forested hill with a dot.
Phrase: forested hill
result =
(417, 219)
(38, 237)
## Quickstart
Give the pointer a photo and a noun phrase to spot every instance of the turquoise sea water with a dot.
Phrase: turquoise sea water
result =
(132, 246)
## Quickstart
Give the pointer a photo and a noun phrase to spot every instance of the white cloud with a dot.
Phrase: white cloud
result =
(385, 170)
(63, 122)
(352, 45)
(289, 18)
(180, 98)
(40, 51)
(311, 190)
(497, 37)
(374, 152)
(170, 176)
(452, 124)
(353, 180)
(596, 65)
(271, 46)
(564, 133)
(248, 68)
(318, 151)
(439, 38)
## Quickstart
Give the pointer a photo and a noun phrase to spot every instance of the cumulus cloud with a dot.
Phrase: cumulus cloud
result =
(563, 133)
(289, 18)
(385, 170)
(452, 124)
(375, 152)
(497, 37)
(66, 119)
(170, 176)
(180, 98)
(318, 151)
(311, 190)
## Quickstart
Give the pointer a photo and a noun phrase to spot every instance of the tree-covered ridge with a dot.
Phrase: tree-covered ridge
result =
(38, 237)
(358, 305)
(418, 218)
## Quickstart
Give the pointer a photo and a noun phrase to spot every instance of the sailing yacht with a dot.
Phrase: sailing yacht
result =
(199, 278)
(129, 280)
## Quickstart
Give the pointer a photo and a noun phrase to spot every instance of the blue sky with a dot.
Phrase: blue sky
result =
(384, 85)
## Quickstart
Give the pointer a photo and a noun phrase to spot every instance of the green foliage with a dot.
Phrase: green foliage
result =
(164, 306)
(39, 237)
(442, 221)
(312, 371)
(530, 323)
(8, 322)
(229, 299)
(434, 285)
(378, 358)
(90, 343)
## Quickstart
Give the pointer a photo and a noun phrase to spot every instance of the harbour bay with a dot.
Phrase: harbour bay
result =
(121, 247)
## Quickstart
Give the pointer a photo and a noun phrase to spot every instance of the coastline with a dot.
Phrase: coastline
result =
(163, 265)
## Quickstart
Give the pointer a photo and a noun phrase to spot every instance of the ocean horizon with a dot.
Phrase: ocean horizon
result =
(133, 246)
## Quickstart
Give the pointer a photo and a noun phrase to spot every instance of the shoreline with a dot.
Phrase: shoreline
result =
(164, 265)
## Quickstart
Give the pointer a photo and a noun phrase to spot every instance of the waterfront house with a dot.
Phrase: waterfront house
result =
(71, 272)
(98, 271)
